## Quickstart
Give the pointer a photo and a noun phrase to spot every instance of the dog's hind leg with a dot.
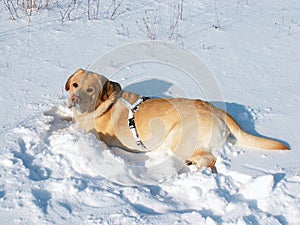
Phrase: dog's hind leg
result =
(202, 159)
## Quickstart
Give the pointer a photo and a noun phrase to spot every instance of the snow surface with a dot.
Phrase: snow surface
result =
(254, 55)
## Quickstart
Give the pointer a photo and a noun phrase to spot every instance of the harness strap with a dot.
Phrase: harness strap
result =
(132, 108)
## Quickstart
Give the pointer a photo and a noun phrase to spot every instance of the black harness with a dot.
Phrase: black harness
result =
(132, 108)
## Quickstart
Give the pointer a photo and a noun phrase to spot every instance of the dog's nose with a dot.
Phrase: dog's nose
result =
(75, 99)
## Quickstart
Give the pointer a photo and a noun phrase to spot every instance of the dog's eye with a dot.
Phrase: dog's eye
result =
(75, 85)
(89, 90)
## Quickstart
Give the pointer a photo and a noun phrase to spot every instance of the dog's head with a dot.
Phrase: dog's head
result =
(88, 90)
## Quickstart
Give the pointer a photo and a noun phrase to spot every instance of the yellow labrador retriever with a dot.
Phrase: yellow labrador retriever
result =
(189, 128)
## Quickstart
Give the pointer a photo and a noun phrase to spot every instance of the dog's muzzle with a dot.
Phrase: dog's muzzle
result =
(73, 101)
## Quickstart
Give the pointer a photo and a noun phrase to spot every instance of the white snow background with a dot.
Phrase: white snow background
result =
(251, 47)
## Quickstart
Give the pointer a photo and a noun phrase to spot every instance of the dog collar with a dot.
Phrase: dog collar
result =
(132, 108)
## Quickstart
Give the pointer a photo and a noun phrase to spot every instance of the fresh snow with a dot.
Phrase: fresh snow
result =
(53, 173)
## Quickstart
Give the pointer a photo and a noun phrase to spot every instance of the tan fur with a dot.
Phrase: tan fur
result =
(190, 128)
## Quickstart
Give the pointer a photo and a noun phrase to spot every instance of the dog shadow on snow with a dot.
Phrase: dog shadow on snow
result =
(159, 88)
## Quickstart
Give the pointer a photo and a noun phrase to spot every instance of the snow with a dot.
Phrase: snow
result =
(54, 173)
(259, 187)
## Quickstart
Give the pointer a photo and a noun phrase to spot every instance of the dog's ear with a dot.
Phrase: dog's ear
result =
(67, 85)
(108, 88)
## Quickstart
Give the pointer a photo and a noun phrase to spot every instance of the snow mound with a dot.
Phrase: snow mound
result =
(259, 187)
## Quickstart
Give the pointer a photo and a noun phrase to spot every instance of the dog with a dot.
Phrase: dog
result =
(191, 129)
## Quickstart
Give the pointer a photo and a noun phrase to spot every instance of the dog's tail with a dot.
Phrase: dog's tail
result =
(247, 140)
